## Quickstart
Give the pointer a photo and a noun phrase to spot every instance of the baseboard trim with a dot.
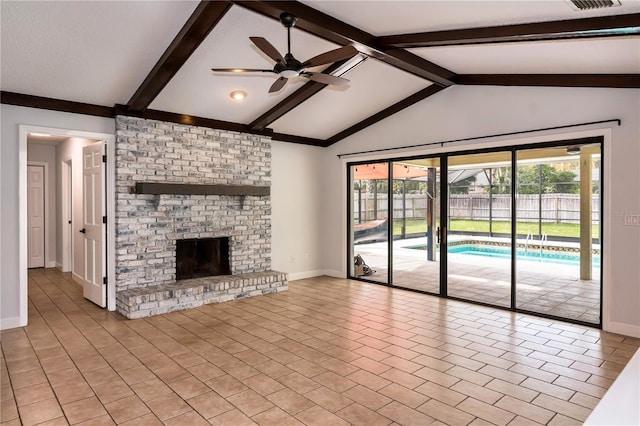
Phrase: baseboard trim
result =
(11, 322)
(306, 274)
(316, 273)
(50, 264)
(622, 328)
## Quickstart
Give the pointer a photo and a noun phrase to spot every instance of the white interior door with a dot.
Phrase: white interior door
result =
(93, 175)
(35, 218)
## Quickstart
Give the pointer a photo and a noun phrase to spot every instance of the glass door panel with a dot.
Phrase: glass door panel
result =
(416, 256)
(370, 221)
(558, 227)
(479, 228)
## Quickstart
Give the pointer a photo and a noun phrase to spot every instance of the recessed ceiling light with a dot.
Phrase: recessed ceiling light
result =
(238, 95)
(42, 135)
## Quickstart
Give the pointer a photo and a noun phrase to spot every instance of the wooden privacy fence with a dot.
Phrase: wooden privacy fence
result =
(556, 208)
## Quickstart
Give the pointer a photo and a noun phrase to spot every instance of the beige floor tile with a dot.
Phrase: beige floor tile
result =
(478, 392)
(146, 420)
(190, 418)
(263, 384)
(276, 416)
(112, 391)
(31, 394)
(226, 385)
(189, 387)
(369, 380)
(486, 412)
(83, 410)
(335, 382)
(318, 416)
(40, 412)
(73, 391)
(298, 383)
(104, 420)
(151, 389)
(356, 414)
(168, 406)
(27, 378)
(445, 413)
(561, 406)
(129, 409)
(8, 410)
(366, 397)
(404, 415)
(403, 395)
(290, 401)
(524, 409)
(209, 404)
(233, 417)
(250, 402)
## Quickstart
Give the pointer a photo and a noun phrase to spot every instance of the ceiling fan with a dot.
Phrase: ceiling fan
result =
(288, 66)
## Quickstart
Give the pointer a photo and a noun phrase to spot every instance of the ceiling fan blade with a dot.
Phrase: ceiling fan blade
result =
(326, 78)
(279, 84)
(239, 70)
(339, 54)
(262, 44)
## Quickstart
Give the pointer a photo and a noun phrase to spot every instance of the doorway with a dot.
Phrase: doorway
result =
(37, 213)
(25, 133)
(516, 227)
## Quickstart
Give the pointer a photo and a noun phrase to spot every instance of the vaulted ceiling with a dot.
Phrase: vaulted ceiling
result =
(154, 59)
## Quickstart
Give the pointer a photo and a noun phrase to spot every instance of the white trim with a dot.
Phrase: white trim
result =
(302, 275)
(45, 178)
(66, 174)
(23, 132)
(110, 187)
(621, 328)
(12, 322)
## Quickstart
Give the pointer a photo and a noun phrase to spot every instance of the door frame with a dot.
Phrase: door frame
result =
(605, 134)
(23, 133)
(67, 202)
(45, 181)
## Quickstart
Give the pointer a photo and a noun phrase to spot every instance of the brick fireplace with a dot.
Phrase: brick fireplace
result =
(150, 223)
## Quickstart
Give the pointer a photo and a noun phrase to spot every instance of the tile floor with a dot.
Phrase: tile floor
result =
(327, 352)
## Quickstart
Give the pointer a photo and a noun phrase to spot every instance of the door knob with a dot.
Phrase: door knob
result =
(84, 231)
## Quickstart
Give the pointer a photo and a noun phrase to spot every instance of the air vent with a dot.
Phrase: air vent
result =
(592, 4)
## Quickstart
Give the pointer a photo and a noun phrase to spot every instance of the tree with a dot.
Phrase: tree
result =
(546, 179)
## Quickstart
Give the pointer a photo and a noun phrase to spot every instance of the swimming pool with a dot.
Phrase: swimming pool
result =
(531, 255)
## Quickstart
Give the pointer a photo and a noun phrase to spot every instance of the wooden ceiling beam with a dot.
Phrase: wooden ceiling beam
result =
(341, 33)
(617, 81)
(204, 18)
(30, 101)
(387, 112)
(601, 26)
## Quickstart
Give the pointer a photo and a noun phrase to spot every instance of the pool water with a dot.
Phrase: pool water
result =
(532, 255)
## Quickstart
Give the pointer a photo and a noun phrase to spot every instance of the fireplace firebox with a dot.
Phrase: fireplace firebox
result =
(203, 257)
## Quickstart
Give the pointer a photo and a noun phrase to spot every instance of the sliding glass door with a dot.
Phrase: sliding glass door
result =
(416, 220)
(479, 232)
(557, 206)
(517, 228)
(369, 202)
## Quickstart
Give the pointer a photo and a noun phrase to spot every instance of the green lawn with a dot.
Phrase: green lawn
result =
(552, 229)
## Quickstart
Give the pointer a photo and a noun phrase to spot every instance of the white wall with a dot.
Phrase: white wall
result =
(12, 117)
(296, 209)
(47, 154)
(468, 111)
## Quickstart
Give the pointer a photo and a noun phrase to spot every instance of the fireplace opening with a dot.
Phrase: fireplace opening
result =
(203, 257)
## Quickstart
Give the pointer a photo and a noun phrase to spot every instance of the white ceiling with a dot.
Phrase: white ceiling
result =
(99, 52)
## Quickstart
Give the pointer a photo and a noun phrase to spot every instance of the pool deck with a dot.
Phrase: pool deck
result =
(544, 287)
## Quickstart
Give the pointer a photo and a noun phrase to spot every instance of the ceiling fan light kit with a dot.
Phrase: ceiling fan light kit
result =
(288, 66)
